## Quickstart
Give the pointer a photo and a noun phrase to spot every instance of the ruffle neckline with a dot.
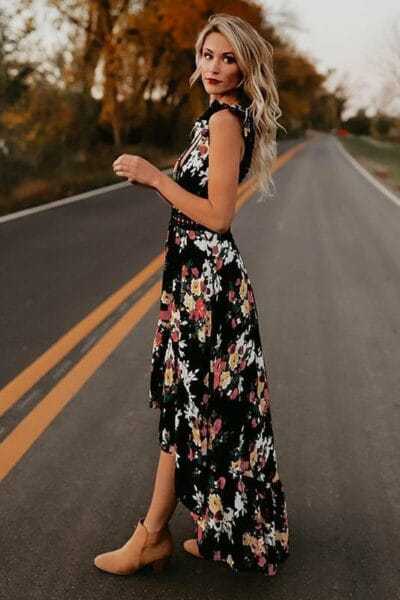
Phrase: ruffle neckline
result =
(216, 103)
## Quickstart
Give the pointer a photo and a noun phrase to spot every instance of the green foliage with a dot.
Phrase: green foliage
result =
(359, 124)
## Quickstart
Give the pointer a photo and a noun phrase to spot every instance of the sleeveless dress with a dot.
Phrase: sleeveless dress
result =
(209, 381)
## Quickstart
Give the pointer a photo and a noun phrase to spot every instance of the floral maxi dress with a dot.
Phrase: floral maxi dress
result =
(209, 381)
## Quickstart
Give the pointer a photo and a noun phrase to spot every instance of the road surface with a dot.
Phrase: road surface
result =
(324, 259)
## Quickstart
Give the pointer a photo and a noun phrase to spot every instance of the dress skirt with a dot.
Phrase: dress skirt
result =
(209, 382)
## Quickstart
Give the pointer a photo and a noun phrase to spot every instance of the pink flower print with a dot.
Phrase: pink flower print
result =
(234, 393)
(220, 263)
(240, 485)
(221, 482)
(185, 271)
(175, 335)
(191, 234)
(218, 367)
(203, 149)
(217, 555)
(261, 560)
(195, 271)
(231, 295)
(217, 425)
(200, 310)
(165, 314)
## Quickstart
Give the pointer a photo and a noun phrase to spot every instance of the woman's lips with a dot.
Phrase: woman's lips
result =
(213, 81)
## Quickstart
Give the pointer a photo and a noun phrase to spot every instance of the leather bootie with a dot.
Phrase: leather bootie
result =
(142, 548)
(192, 547)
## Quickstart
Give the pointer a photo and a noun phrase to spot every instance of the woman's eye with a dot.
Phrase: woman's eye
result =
(229, 58)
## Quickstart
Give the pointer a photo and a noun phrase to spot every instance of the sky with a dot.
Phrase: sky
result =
(350, 36)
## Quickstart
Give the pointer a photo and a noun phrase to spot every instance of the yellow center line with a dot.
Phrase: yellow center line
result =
(23, 436)
(18, 386)
(32, 426)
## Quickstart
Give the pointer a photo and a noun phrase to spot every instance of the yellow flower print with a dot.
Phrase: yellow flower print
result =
(235, 465)
(189, 302)
(166, 297)
(263, 406)
(249, 540)
(208, 322)
(214, 503)
(225, 379)
(233, 360)
(229, 560)
(195, 287)
(260, 386)
(255, 544)
(283, 537)
(201, 334)
(245, 307)
(253, 457)
(168, 376)
(243, 288)
(196, 436)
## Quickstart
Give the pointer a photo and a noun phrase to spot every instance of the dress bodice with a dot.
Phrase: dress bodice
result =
(191, 168)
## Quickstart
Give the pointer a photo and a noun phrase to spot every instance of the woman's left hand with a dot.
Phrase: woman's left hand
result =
(136, 169)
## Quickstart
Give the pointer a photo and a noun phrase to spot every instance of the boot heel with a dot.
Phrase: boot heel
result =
(160, 564)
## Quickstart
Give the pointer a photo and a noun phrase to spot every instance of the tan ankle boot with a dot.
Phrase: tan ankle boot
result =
(192, 547)
(142, 548)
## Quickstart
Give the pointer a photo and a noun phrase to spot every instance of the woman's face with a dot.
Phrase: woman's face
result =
(218, 63)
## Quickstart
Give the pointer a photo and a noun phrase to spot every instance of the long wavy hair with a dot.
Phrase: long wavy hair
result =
(257, 89)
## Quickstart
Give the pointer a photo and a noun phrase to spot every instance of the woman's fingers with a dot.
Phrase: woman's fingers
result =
(122, 173)
(121, 166)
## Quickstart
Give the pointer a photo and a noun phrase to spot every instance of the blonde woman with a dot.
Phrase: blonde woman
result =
(208, 374)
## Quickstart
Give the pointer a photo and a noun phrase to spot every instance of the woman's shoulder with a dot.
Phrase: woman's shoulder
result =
(242, 111)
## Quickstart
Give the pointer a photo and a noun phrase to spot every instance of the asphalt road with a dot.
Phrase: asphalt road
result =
(324, 259)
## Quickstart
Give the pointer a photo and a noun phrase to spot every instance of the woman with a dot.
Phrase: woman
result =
(208, 376)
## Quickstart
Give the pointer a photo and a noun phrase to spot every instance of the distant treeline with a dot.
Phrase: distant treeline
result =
(119, 82)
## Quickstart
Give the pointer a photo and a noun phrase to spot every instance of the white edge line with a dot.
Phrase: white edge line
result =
(367, 174)
(55, 203)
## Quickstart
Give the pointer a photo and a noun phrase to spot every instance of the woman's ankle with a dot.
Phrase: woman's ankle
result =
(153, 527)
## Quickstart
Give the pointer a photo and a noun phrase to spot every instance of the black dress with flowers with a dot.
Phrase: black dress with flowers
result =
(209, 381)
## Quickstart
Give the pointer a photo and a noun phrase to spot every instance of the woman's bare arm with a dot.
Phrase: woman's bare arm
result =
(218, 210)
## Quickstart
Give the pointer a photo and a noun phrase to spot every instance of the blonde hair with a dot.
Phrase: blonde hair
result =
(257, 86)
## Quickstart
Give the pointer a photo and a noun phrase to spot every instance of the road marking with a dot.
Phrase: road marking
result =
(250, 186)
(18, 386)
(23, 436)
(367, 174)
(32, 426)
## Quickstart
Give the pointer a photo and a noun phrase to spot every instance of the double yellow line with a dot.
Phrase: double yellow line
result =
(23, 436)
